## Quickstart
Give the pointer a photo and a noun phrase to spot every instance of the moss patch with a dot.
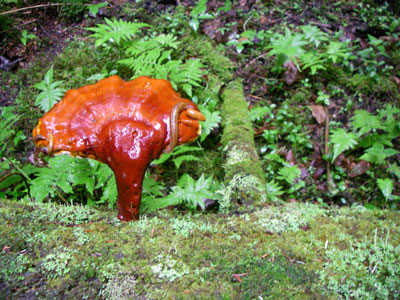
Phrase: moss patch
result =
(294, 251)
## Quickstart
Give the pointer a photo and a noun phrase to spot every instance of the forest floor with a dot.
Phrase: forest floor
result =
(304, 247)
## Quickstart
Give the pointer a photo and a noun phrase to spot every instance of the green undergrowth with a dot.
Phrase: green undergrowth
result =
(293, 251)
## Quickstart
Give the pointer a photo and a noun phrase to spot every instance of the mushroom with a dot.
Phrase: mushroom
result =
(123, 124)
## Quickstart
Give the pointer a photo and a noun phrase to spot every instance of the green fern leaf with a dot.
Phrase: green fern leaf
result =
(342, 141)
(188, 75)
(258, 113)
(49, 178)
(289, 174)
(184, 158)
(115, 31)
(377, 154)
(212, 121)
(386, 187)
(177, 151)
(273, 190)
(167, 40)
(288, 45)
(314, 35)
(192, 192)
(311, 60)
(364, 122)
(51, 92)
(395, 169)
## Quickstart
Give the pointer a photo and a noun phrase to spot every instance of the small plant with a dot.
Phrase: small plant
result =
(25, 37)
(51, 92)
(199, 13)
(94, 8)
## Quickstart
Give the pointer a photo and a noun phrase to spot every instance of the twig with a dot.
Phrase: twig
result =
(36, 6)
(326, 151)
(59, 195)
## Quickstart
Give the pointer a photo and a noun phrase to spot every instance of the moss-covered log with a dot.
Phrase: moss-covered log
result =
(244, 178)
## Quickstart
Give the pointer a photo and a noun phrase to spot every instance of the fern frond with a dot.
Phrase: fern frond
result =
(51, 92)
(386, 187)
(189, 75)
(212, 121)
(289, 174)
(183, 158)
(364, 122)
(115, 31)
(342, 141)
(377, 154)
(167, 40)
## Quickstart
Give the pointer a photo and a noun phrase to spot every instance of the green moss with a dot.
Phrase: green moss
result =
(242, 163)
(212, 55)
(283, 251)
(365, 84)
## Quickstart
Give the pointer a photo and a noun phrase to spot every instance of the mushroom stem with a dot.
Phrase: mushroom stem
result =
(174, 126)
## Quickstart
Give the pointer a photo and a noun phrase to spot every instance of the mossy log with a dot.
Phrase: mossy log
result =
(244, 177)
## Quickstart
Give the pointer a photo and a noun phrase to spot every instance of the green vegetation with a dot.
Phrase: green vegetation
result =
(302, 107)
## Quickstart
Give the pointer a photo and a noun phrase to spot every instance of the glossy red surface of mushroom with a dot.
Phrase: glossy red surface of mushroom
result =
(123, 124)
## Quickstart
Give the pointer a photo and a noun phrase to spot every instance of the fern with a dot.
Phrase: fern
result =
(106, 181)
(152, 195)
(151, 56)
(342, 141)
(313, 61)
(289, 174)
(287, 47)
(386, 187)
(189, 75)
(395, 169)
(212, 121)
(273, 190)
(364, 122)
(50, 177)
(188, 192)
(314, 35)
(9, 137)
(115, 31)
(338, 50)
(180, 155)
(51, 92)
(192, 193)
(76, 172)
(377, 154)
(258, 113)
